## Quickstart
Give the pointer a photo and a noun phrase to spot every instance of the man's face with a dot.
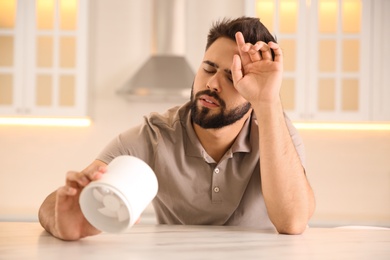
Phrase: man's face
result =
(215, 102)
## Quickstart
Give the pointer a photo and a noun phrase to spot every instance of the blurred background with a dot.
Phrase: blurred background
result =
(76, 62)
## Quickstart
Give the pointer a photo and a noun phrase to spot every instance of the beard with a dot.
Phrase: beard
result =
(205, 119)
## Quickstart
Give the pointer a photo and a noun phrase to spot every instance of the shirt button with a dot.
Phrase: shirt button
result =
(216, 170)
(216, 189)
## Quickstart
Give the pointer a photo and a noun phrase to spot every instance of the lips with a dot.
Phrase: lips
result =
(208, 101)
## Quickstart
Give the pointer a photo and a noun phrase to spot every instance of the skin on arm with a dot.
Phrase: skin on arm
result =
(60, 213)
(287, 193)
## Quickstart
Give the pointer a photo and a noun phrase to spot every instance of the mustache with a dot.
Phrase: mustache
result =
(211, 94)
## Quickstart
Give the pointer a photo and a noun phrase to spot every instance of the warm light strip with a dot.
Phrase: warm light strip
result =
(45, 121)
(343, 126)
(84, 122)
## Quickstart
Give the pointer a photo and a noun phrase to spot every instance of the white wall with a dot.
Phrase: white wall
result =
(349, 171)
(350, 174)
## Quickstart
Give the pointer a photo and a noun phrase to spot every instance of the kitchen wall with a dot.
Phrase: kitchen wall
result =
(349, 170)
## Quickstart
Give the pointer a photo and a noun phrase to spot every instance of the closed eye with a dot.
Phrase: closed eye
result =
(212, 71)
(209, 71)
(209, 67)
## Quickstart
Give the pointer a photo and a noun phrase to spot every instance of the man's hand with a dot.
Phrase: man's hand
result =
(60, 214)
(256, 76)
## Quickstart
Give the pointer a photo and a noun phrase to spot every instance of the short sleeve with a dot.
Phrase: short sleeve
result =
(139, 141)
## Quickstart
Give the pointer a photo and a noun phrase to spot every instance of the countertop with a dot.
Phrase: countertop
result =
(24, 240)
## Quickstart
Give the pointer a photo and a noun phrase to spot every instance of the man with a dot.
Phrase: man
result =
(227, 157)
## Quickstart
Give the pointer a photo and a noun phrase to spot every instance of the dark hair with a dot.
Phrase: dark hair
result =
(252, 29)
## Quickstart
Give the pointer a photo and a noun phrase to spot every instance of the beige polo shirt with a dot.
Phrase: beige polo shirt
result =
(193, 188)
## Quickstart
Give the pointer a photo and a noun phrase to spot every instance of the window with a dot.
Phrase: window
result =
(328, 73)
(43, 57)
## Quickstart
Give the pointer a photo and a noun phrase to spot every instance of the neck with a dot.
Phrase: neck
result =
(217, 141)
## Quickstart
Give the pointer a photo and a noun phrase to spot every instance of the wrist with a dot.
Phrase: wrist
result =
(268, 107)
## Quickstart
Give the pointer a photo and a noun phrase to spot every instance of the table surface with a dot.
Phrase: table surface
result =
(19, 240)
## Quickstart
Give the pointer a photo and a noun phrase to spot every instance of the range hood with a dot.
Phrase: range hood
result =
(166, 74)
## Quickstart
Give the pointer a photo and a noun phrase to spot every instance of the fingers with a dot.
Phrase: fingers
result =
(277, 51)
(253, 51)
(236, 69)
(82, 179)
(259, 51)
(245, 58)
(65, 191)
(265, 51)
(79, 178)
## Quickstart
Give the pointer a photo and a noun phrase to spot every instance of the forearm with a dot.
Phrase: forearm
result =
(287, 193)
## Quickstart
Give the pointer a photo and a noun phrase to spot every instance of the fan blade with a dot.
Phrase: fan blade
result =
(107, 212)
(123, 214)
(98, 196)
(112, 202)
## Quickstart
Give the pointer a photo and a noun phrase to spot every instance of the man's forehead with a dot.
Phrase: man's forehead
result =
(223, 44)
(221, 52)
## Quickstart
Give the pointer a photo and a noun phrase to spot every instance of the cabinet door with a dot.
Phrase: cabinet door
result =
(326, 63)
(11, 65)
(339, 61)
(51, 78)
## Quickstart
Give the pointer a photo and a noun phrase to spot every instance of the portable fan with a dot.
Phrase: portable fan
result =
(115, 202)
(112, 205)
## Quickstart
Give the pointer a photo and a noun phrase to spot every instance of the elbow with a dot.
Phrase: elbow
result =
(296, 225)
(294, 222)
(291, 224)
(291, 229)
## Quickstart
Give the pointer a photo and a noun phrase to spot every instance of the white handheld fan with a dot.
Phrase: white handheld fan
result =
(115, 202)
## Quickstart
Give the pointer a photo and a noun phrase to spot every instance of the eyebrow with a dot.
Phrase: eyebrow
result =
(213, 64)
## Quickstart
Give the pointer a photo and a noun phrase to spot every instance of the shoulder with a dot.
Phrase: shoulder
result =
(171, 119)
(158, 130)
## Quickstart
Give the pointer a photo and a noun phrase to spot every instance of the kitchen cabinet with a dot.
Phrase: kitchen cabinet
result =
(336, 60)
(43, 58)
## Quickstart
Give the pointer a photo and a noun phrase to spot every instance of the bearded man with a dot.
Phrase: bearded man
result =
(229, 156)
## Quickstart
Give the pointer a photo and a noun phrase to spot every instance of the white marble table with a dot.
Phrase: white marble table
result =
(29, 241)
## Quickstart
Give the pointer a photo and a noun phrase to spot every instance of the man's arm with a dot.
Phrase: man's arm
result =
(287, 194)
(60, 213)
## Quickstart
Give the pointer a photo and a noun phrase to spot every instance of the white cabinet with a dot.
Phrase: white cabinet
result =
(43, 58)
(331, 71)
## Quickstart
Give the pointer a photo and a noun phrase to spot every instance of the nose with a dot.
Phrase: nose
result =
(214, 83)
